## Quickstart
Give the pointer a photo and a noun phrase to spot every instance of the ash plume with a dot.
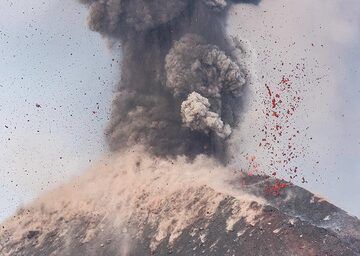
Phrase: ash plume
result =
(181, 83)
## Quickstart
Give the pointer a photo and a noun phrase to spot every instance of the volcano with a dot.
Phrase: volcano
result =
(167, 186)
(138, 204)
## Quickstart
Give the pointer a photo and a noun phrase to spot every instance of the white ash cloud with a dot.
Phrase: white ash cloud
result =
(196, 114)
(217, 4)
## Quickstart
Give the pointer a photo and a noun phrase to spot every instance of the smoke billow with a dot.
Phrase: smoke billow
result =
(196, 115)
(181, 82)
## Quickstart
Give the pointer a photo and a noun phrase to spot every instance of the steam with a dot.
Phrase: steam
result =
(181, 82)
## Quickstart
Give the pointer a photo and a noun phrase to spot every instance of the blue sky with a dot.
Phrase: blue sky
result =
(49, 57)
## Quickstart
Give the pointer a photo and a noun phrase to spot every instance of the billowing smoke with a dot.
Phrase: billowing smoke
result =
(196, 114)
(181, 83)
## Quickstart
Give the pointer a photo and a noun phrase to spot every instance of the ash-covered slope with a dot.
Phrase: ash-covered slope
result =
(137, 204)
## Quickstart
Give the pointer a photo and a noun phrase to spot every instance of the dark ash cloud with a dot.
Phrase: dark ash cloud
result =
(180, 88)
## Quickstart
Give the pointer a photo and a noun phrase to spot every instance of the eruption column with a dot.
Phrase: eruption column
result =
(181, 83)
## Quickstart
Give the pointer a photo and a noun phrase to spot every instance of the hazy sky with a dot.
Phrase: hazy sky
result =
(56, 80)
(323, 37)
(50, 58)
